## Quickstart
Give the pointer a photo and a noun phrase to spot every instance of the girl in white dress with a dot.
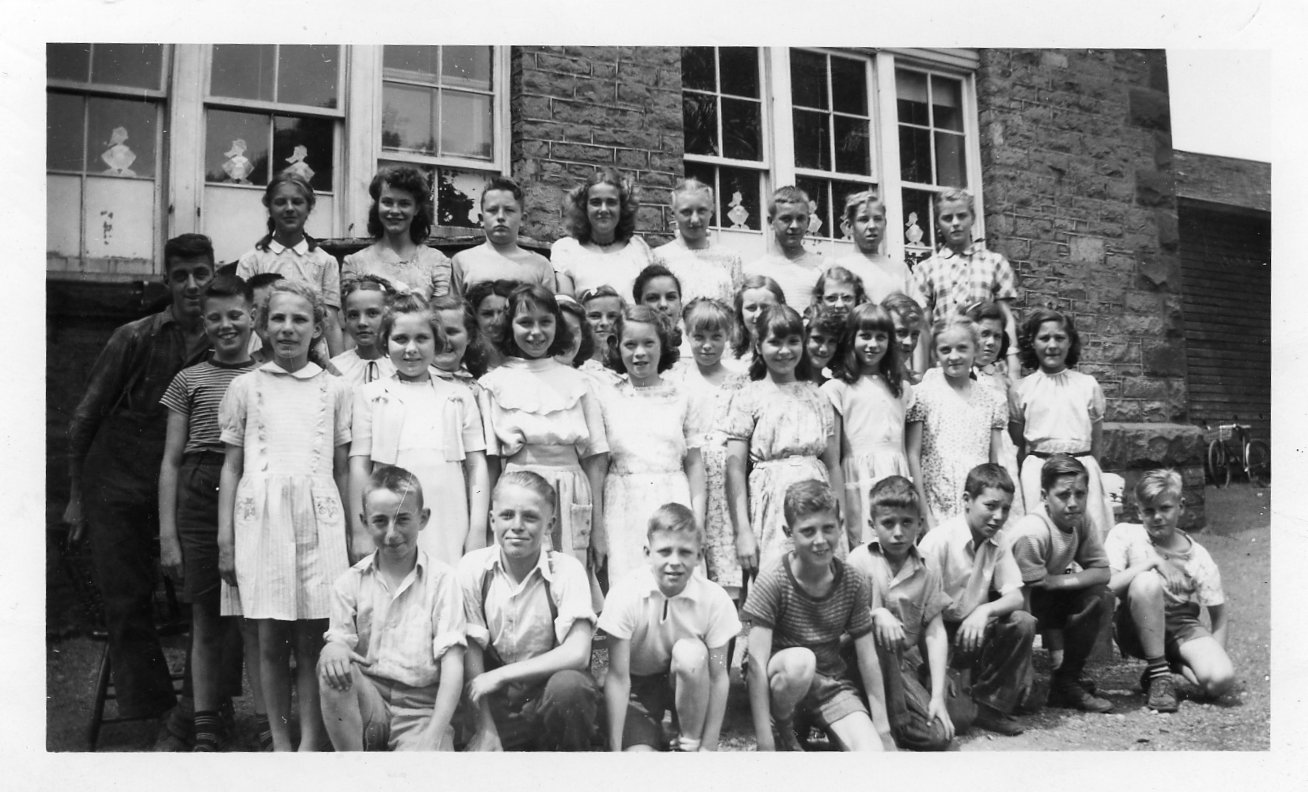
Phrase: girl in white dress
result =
(991, 369)
(601, 247)
(282, 535)
(1059, 410)
(428, 426)
(871, 398)
(652, 454)
(365, 299)
(702, 268)
(399, 221)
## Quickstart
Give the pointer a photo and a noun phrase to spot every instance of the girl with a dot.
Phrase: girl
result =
(1058, 410)
(838, 290)
(704, 269)
(865, 223)
(991, 370)
(908, 318)
(546, 418)
(428, 426)
(603, 307)
(782, 425)
(288, 251)
(870, 397)
(953, 423)
(601, 247)
(282, 531)
(580, 353)
(710, 386)
(822, 337)
(652, 454)
(657, 288)
(399, 222)
(489, 300)
(756, 292)
(463, 358)
(365, 301)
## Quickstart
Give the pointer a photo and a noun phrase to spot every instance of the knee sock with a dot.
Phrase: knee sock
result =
(1157, 668)
(263, 731)
(208, 729)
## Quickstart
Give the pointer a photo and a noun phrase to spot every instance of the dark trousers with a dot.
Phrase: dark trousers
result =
(1001, 669)
(560, 715)
(120, 502)
(1080, 614)
(907, 680)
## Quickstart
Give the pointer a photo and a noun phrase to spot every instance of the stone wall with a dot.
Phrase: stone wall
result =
(576, 108)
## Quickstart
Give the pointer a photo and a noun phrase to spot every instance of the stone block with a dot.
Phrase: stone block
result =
(595, 91)
(632, 159)
(1161, 270)
(1150, 445)
(1154, 188)
(1086, 250)
(580, 152)
(566, 65)
(1149, 109)
(1169, 237)
(1164, 357)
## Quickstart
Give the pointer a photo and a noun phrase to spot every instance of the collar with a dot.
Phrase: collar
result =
(971, 250)
(299, 248)
(650, 587)
(374, 565)
(495, 560)
(309, 370)
(874, 546)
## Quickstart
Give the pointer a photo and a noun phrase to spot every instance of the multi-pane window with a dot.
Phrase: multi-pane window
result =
(722, 112)
(932, 150)
(439, 114)
(103, 134)
(831, 113)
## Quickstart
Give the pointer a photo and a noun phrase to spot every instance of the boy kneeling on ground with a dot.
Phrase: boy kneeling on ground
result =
(670, 631)
(1162, 578)
(800, 606)
(990, 635)
(391, 670)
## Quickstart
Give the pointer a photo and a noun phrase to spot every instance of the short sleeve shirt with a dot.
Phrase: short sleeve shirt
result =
(913, 594)
(970, 572)
(1199, 581)
(949, 281)
(797, 618)
(197, 392)
(1041, 549)
(636, 610)
(314, 268)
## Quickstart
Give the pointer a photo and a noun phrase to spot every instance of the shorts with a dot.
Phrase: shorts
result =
(197, 527)
(1180, 624)
(651, 697)
(829, 698)
(404, 712)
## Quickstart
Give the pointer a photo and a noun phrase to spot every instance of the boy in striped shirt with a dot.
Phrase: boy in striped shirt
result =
(188, 506)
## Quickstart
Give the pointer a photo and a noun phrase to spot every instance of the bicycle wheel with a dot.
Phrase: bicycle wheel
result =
(1219, 468)
(1258, 462)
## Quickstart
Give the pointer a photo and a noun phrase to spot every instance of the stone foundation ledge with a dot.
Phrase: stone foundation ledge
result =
(1132, 449)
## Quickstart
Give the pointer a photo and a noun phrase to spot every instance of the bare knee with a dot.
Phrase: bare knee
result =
(792, 669)
(1146, 587)
(689, 657)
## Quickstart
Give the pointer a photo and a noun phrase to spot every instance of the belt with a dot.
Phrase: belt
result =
(1043, 455)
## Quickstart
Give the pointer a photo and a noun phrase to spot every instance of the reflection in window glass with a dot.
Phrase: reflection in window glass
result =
(306, 75)
(121, 137)
(698, 71)
(914, 154)
(63, 132)
(919, 225)
(304, 146)
(699, 114)
(739, 68)
(68, 62)
(808, 79)
(407, 120)
(471, 137)
(742, 130)
(430, 117)
(739, 202)
(236, 148)
(848, 86)
(466, 67)
(132, 65)
(950, 166)
(410, 62)
(812, 140)
(853, 146)
(946, 103)
(931, 136)
(911, 93)
(458, 197)
(243, 71)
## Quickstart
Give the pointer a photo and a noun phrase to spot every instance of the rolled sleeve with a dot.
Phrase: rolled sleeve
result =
(468, 578)
(344, 402)
(1007, 576)
(572, 588)
(724, 624)
(618, 618)
(597, 441)
(331, 281)
(1005, 284)
(449, 623)
(472, 429)
(1090, 552)
(342, 627)
(1030, 555)
(232, 412)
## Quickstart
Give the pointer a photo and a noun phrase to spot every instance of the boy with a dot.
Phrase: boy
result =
(115, 449)
(188, 503)
(529, 627)
(1162, 578)
(500, 257)
(989, 634)
(963, 272)
(791, 266)
(1046, 544)
(261, 285)
(906, 601)
(391, 667)
(670, 634)
(801, 605)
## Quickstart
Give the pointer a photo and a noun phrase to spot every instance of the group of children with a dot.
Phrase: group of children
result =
(429, 510)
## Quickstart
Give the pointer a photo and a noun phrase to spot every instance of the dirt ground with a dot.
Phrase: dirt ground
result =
(1238, 537)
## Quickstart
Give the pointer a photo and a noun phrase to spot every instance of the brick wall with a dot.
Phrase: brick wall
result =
(577, 108)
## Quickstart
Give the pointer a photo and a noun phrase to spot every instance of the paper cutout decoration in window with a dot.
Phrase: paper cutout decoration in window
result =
(814, 218)
(118, 156)
(913, 234)
(297, 164)
(738, 214)
(238, 167)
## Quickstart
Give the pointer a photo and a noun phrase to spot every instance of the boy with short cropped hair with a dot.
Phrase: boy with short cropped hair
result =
(391, 668)
(990, 634)
(670, 630)
(500, 257)
(1065, 576)
(789, 264)
(962, 272)
(188, 503)
(798, 609)
(1162, 577)
(907, 600)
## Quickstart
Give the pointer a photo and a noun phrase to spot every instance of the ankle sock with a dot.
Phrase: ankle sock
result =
(1157, 668)
(688, 744)
(208, 727)
(263, 731)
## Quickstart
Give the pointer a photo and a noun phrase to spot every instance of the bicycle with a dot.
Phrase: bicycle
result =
(1253, 456)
